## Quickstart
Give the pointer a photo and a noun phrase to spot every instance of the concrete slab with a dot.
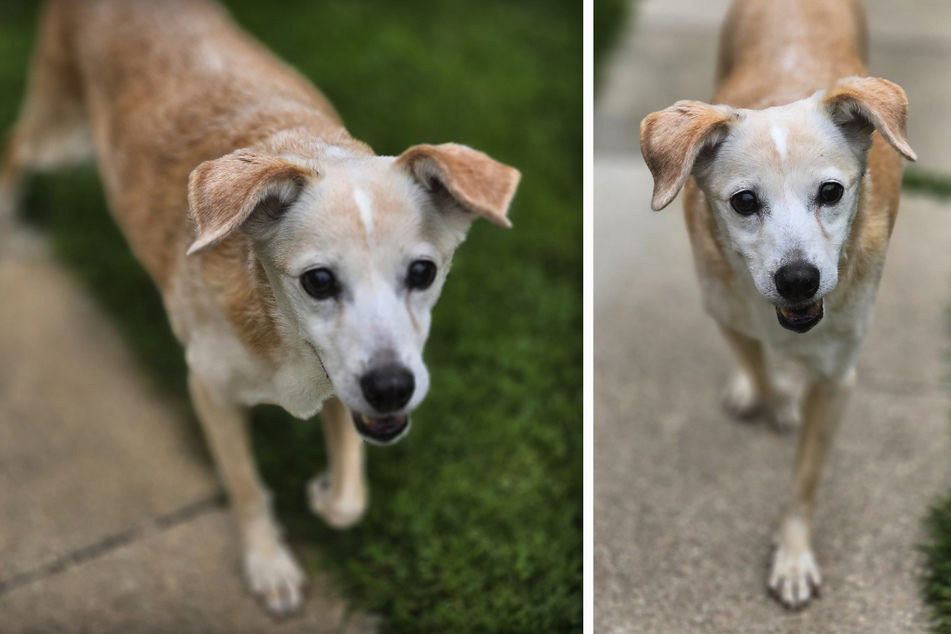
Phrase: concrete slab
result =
(686, 499)
(89, 450)
(184, 580)
(110, 512)
(668, 53)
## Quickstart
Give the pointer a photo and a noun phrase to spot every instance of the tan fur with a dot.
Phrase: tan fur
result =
(826, 40)
(464, 172)
(672, 139)
(771, 54)
(193, 123)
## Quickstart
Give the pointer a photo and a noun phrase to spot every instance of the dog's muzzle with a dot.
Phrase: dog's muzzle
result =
(800, 318)
(383, 430)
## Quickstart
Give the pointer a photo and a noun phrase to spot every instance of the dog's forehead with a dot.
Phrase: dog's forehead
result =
(366, 194)
(795, 136)
(355, 208)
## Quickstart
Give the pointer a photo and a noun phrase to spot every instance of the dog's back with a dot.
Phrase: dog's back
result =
(774, 52)
(159, 87)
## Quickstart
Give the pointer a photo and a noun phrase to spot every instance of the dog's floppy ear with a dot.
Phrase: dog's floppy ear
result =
(224, 192)
(860, 105)
(671, 140)
(468, 178)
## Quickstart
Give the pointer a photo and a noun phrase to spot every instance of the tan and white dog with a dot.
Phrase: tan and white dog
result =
(791, 189)
(297, 267)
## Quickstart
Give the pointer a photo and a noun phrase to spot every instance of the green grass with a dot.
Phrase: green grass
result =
(925, 182)
(936, 582)
(475, 522)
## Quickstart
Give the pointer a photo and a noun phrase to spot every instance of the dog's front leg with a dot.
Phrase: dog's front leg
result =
(794, 578)
(340, 495)
(269, 566)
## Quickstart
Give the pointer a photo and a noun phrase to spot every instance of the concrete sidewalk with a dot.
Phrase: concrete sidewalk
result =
(686, 499)
(111, 518)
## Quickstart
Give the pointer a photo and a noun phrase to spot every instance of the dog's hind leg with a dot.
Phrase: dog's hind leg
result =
(52, 129)
(756, 389)
(794, 578)
(269, 566)
(340, 495)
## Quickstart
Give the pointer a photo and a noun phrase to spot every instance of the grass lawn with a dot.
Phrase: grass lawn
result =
(476, 519)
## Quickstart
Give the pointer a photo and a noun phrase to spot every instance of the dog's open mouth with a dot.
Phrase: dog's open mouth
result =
(383, 430)
(800, 318)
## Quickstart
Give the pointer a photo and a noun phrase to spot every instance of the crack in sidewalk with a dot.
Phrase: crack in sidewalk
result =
(110, 543)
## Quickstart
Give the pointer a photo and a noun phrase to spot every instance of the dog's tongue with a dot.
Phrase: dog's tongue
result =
(382, 430)
(800, 313)
(385, 424)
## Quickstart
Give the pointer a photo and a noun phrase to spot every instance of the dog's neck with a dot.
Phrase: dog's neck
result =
(240, 288)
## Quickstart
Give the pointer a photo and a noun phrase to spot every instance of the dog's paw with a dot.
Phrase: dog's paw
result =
(794, 579)
(741, 399)
(275, 578)
(787, 413)
(339, 511)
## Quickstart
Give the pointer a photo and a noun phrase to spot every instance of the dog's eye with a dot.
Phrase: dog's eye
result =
(421, 275)
(745, 203)
(320, 283)
(830, 193)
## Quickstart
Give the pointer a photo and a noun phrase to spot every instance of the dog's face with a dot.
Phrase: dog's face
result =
(784, 187)
(783, 183)
(356, 249)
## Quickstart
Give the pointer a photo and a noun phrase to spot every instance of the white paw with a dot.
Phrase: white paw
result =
(787, 413)
(275, 578)
(339, 511)
(794, 579)
(740, 399)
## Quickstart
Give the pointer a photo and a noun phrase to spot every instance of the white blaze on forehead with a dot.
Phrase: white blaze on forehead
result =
(365, 205)
(779, 138)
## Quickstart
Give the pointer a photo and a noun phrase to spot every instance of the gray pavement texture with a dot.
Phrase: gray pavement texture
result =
(686, 499)
(111, 518)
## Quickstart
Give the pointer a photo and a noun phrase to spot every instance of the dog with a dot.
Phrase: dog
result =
(297, 267)
(791, 186)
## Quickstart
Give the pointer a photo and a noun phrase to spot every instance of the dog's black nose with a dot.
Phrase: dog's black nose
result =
(798, 281)
(388, 388)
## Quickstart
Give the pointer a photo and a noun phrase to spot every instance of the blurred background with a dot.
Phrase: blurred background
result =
(111, 518)
(686, 499)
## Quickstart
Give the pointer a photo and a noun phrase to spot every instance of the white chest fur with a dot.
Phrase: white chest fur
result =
(297, 381)
(831, 348)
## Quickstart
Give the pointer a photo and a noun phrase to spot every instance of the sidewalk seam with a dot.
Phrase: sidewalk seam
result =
(111, 543)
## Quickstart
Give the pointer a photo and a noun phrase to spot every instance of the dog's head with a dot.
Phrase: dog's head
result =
(356, 248)
(783, 183)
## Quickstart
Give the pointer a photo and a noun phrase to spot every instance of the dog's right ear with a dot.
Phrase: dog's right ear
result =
(223, 193)
(671, 140)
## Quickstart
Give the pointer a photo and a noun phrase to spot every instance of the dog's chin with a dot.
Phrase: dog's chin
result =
(801, 318)
(384, 430)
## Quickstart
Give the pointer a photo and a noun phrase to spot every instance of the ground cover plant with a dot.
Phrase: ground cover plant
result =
(475, 519)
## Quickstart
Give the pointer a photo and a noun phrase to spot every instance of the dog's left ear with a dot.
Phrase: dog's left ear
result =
(860, 105)
(464, 177)
(223, 193)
